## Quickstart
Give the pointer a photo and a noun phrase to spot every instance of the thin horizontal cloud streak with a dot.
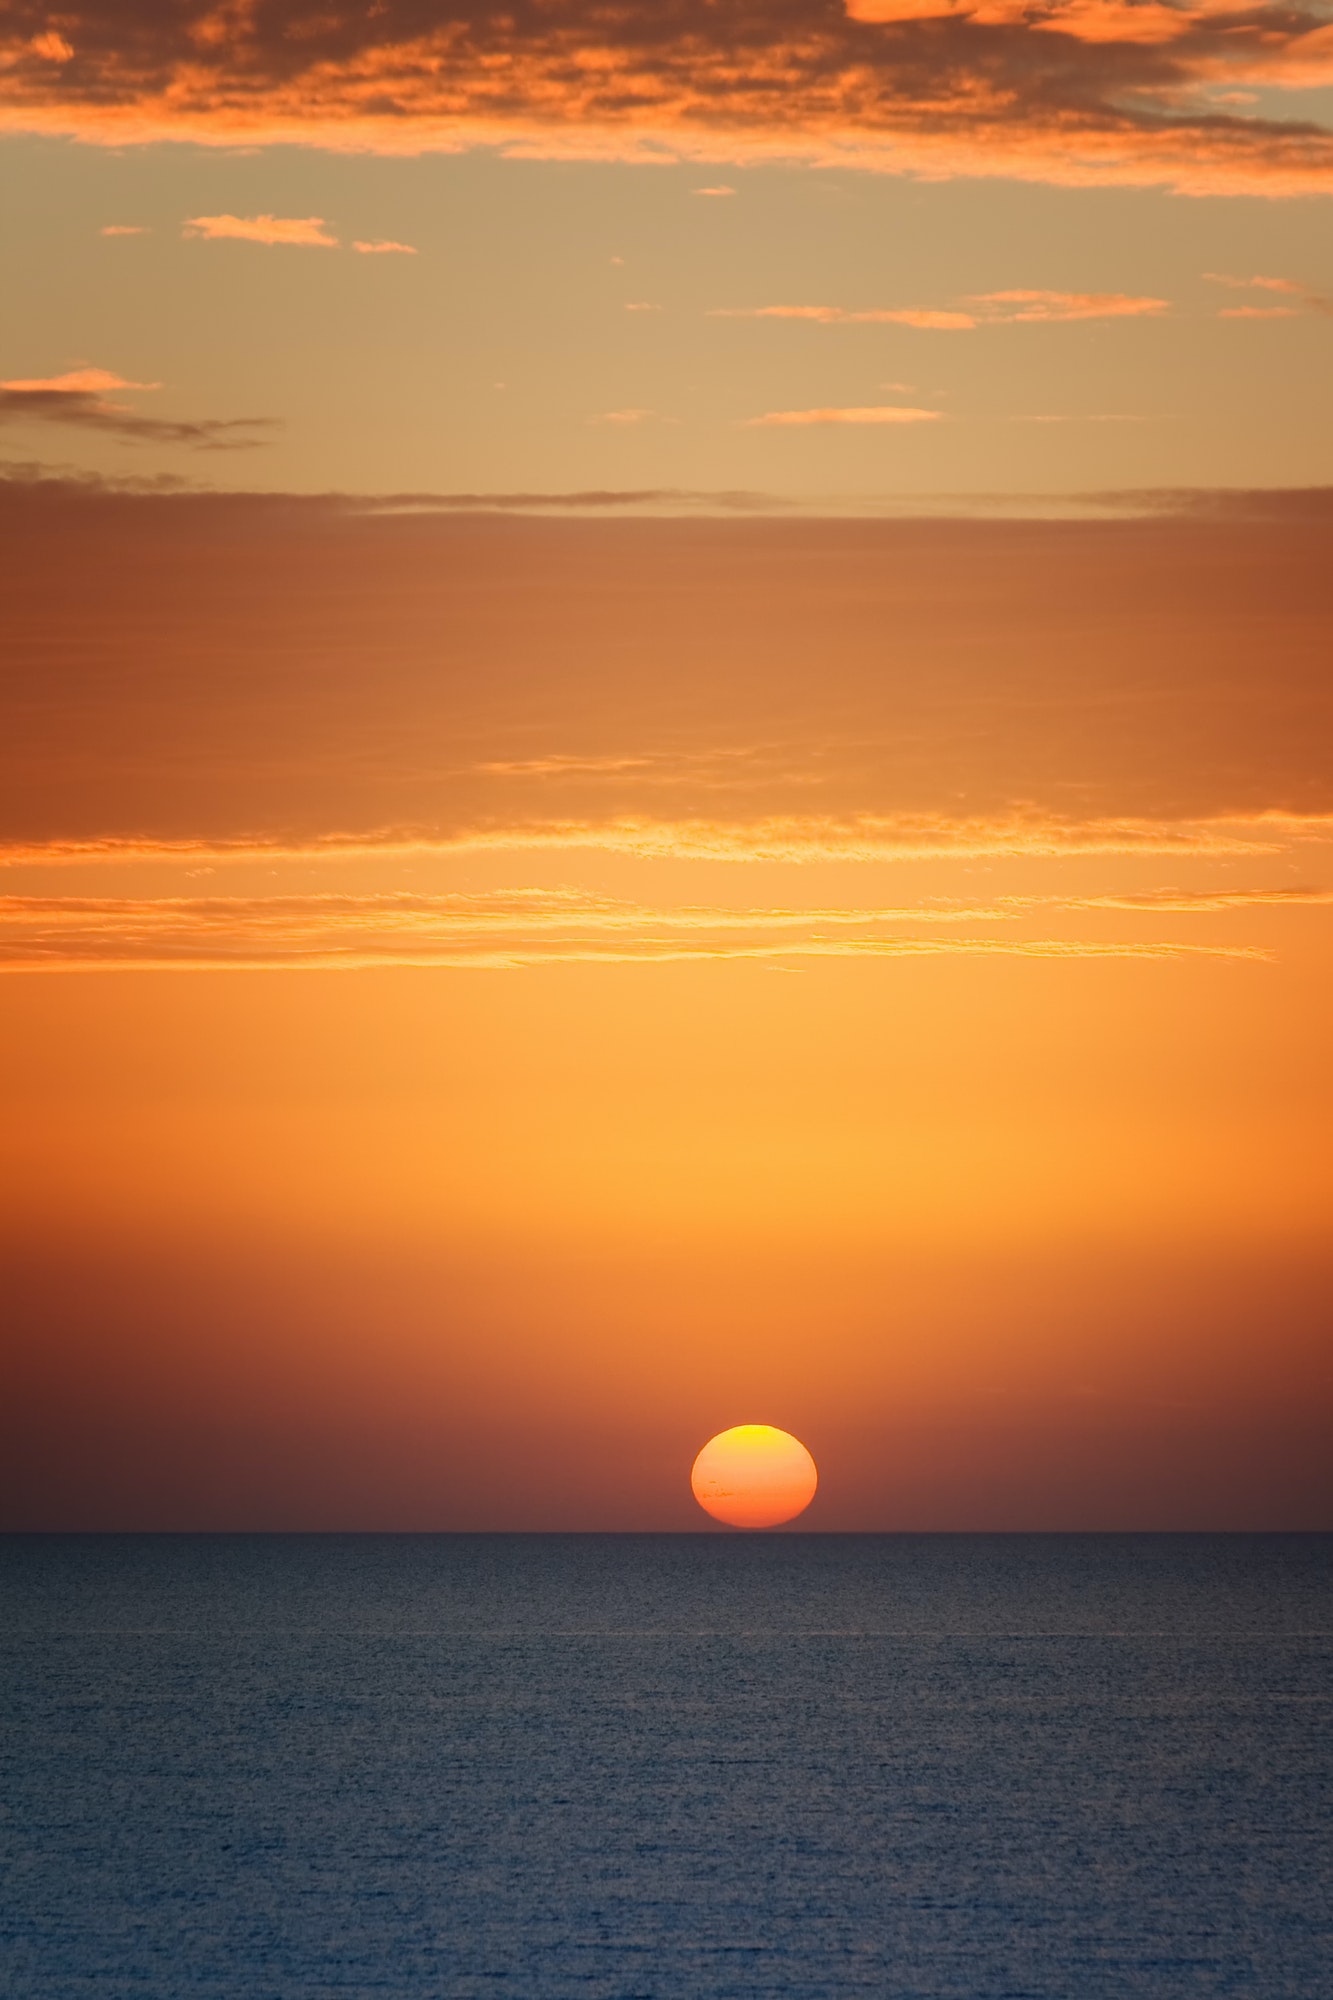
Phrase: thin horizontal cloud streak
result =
(793, 840)
(926, 318)
(496, 930)
(874, 414)
(1075, 93)
(1009, 308)
(92, 381)
(1301, 298)
(1038, 307)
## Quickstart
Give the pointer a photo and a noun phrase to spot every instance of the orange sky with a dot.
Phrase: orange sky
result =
(664, 760)
(490, 1003)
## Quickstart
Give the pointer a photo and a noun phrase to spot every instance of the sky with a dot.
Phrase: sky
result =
(665, 762)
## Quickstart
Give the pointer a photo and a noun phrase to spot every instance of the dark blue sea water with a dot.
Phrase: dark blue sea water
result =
(273, 1768)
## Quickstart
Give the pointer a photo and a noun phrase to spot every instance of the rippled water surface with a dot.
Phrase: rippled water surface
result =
(667, 1766)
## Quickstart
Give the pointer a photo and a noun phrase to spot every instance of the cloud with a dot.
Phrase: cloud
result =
(642, 306)
(124, 229)
(494, 930)
(995, 308)
(715, 191)
(78, 399)
(1186, 902)
(876, 414)
(798, 841)
(919, 316)
(1022, 307)
(1082, 417)
(625, 419)
(501, 928)
(1076, 92)
(1254, 284)
(386, 248)
(93, 381)
(1306, 299)
(305, 232)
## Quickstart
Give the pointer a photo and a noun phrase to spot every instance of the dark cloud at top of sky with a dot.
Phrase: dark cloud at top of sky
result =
(1073, 91)
(88, 411)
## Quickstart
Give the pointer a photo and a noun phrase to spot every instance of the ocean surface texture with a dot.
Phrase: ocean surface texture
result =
(990, 1767)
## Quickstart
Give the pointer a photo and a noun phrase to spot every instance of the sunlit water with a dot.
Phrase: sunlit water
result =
(615, 1766)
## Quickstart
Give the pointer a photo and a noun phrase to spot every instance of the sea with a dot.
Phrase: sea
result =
(666, 1767)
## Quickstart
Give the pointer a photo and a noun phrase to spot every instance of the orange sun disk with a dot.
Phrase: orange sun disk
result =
(754, 1476)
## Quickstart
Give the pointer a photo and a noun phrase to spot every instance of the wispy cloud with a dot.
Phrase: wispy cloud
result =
(1008, 308)
(1081, 417)
(1033, 307)
(305, 232)
(1254, 284)
(124, 229)
(627, 419)
(926, 318)
(89, 381)
(875, 414)
(498, 929)
(1075, 92)
(715, 191)
(385, 248)
(1184, 902)
(78, 398)
(1303, 298)
(801, 839)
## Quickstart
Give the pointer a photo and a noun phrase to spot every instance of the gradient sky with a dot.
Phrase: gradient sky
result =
(664, 762)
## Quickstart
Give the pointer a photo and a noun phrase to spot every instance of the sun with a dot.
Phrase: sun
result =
(754, 1476)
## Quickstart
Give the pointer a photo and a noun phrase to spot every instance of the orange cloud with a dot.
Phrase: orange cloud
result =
(1075, 92)
(624, 419)
(385, 248)
(1023, 307)
(503, 929)
(88, 381)
(997, 308)
(810, 840)
(1136, 22)
(305, 232)
(1254, 284)
(877, 414)
(1306, 299)
(123, 229)
(51, 47)
(923, 317)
